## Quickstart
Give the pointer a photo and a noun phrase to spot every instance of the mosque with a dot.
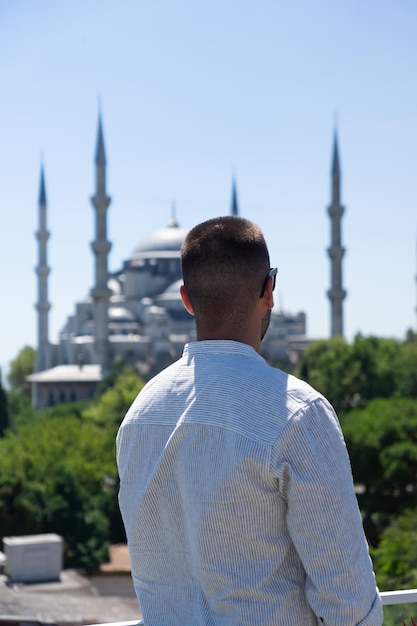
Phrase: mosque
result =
(135, 315)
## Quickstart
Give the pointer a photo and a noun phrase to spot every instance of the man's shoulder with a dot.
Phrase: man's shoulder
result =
(298, 393)
(299, 388)
(256, 375)
(162, 379)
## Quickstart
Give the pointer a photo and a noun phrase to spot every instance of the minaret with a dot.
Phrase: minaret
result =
(173, 221)
(42, 270)
(336, 252)
(234, 207)
(101, 248)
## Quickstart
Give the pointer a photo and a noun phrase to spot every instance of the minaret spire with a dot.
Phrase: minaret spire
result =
(42, 270)
(100, 152)
(335, 172)
(173, 221)
(101, 248)
(336, 252)
(42, 192)
(234, 206)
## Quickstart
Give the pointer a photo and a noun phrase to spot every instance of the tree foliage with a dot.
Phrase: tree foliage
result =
(58, 472)
(52, 481)
(112, 405)
(20, 367)
(395, 558)
(382, 443)
(20, 409)
(4, 413)
(350, 375)
(326, 367)
(372, 383)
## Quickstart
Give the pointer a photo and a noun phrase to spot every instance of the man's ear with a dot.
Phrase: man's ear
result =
(186, 300)
(269, 295)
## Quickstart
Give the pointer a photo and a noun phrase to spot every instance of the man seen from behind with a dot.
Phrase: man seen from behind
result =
(235, 484)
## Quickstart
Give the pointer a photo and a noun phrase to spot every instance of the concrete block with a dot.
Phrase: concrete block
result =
(33, 558)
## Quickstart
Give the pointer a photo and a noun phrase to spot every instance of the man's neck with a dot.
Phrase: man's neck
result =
(242, 336)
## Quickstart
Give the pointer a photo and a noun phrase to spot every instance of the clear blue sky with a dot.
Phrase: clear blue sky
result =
(191, 92)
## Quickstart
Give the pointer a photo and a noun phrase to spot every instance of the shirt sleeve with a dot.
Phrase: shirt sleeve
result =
(314, 477)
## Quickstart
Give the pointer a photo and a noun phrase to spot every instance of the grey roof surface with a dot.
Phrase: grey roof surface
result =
(73, 600)
(75, 373)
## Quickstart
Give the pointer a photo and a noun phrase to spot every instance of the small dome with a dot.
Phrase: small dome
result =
(120, 314)
(171, 295)
(115, 286)
(163, 240)
(174, 288)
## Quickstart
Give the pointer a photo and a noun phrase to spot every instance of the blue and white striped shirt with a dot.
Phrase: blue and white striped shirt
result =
(238, 501)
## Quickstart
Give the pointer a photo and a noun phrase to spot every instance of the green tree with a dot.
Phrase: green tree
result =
(52, 480)
(350, 375)
(395, 558)
(117, 370)
(4, 413)
(382, 443)
(372, 383)
(375, 361)
(58, 471)
(20, 409)
(327, 366)
(112, 405)
(406, 370)
(20, 367)
(74, 514)
(410, 336)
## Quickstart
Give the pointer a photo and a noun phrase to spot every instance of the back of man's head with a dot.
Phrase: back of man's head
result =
(224, 263)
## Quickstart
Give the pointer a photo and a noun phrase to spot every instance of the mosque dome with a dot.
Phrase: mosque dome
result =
(174, 288)
(172, 292)
(115, 286)
(167, 239)
(120, 314)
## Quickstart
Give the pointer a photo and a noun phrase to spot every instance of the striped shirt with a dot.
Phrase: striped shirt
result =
(237, 497)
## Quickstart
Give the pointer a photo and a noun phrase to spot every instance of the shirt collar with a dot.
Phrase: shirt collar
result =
(220, 346)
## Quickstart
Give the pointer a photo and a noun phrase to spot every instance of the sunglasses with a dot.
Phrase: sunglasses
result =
(272, 273)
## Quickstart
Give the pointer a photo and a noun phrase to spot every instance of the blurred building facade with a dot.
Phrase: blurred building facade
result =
(134, 315)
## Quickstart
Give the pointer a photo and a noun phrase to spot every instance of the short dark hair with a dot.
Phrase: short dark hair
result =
(224, 261)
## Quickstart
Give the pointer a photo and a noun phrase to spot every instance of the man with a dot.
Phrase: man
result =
(235, 485)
